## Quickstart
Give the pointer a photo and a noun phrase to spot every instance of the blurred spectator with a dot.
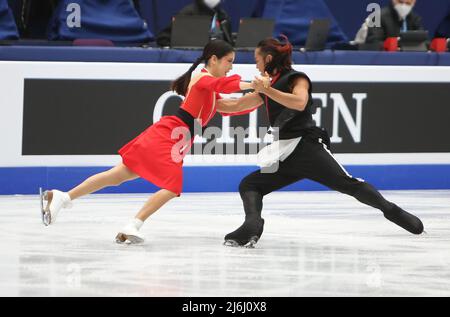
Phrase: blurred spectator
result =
(293, 19)
(32, 17)
(8, 29)
(117, 21)
(395, 18)
(220, 20)
(258, 9)
(443, 29)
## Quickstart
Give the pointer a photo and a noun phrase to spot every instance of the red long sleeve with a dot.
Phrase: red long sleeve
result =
(226, 85)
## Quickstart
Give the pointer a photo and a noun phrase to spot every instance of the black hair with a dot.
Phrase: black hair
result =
(218, 48)
(281, 54)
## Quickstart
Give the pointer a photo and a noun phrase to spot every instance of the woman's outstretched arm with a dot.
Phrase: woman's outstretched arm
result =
(248, 102)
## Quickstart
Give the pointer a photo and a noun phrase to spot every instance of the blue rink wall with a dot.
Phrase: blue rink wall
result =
(27, 180)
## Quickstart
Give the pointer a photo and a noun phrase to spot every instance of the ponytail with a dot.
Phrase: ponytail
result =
(181, 84)
(285, 48)
(218, 48)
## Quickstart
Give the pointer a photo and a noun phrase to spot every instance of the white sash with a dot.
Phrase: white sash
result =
(277, 151)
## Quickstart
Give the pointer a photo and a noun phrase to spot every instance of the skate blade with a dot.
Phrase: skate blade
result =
(45, 214)
(249, 245)
(122, 238)
(252, 243)
(231, 243)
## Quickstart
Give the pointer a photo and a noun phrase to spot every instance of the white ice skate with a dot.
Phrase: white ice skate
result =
(129, 235)
(56, 200)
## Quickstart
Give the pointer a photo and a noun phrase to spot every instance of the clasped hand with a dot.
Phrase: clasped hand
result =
(261, 83)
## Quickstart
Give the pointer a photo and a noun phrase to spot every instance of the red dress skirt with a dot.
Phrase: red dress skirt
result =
(157, 156)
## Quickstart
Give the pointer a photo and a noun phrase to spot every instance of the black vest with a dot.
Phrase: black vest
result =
(291, 123)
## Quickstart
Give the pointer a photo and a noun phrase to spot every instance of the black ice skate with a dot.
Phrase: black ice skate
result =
(247, 235)
(404, 219)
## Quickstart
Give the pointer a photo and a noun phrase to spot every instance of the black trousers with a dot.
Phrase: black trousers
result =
(310, 160)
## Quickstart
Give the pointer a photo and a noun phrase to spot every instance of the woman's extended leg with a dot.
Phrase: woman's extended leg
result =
(113, 177)
(57, 199)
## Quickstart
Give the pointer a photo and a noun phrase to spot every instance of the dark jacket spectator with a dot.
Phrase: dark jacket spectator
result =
(199, 7)
(443, 29)
(395, 18)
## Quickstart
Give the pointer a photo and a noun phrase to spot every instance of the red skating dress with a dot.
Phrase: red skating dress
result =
(150, 155)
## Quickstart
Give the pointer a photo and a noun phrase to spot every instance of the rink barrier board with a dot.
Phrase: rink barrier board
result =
(27, 180)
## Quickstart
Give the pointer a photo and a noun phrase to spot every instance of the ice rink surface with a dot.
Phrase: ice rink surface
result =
(314, 244)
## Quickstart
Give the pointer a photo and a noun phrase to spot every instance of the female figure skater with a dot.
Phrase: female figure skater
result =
(151, 154)
(303, 147)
